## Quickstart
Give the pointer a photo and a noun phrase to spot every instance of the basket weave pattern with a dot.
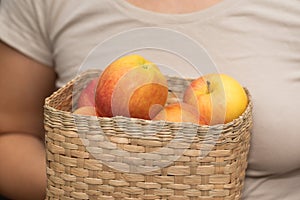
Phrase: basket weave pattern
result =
(210, 162)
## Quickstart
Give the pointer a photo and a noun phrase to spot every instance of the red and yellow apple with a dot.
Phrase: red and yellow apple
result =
(87, 95)
(219, 98)
(129, 86)
(86, 110)
(179, 112)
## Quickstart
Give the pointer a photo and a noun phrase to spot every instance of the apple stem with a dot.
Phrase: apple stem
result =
(208, 86)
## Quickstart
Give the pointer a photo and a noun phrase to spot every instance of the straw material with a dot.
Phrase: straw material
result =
(125, 158)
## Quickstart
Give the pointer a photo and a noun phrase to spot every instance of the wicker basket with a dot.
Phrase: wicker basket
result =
(121, 158)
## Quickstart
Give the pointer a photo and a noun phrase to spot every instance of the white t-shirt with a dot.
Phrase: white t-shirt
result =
(255, 41)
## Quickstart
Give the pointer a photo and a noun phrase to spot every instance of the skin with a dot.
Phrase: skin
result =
(22, 151)
(174, 6)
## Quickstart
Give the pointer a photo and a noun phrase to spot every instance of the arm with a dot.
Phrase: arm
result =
(24, 84)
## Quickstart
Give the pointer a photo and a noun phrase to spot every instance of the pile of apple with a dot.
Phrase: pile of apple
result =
(134, 87)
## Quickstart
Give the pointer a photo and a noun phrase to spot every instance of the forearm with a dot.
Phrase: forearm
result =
(22, 166)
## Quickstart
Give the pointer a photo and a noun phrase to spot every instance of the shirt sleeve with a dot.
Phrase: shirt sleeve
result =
(23, 27)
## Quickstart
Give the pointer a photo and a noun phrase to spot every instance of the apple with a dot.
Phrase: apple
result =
(179, 112)
(87, 95)
(219, 98)
(86, 110)
(129, 86)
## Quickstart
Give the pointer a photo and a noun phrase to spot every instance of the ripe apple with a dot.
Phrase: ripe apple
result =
(86, 110)
(87, 95)
(218, 97)
(179, 112)
(129, 86)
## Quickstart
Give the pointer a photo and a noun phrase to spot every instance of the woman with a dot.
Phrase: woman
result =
(45, 42)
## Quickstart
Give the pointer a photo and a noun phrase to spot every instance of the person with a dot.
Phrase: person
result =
(43, 43)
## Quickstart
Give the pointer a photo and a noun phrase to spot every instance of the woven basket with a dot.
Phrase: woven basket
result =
(125, 158)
